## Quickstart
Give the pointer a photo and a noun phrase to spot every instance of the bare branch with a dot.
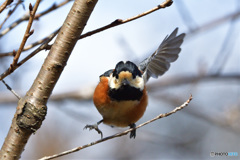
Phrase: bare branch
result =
(37, 16)
(218, 119)
(32, 45)
(32, 109)
(113, 24)
(82, 95)
(117, 22)
(187, 79)
(42, 47)
(226, 49)
(214, 23)
(11, 12)
(119, 134)
(4, 5)
(186, 15)
(10, 89)
(52, 8)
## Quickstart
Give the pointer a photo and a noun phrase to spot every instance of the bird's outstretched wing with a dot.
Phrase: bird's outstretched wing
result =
(159, 62)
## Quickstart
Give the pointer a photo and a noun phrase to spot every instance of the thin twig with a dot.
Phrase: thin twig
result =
(42, 47)
(11, 12)
(117, 22)
(52, 8)
(27, 34)
(113, 24)
(31, 45)
(32, 109)
(37, 16)
(118, 134)
(4, 5)
(10, 89)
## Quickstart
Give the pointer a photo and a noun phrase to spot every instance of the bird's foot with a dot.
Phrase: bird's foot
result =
(94, 126)
(133, 132)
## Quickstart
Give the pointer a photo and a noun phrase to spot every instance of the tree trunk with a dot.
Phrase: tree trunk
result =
(32, 109)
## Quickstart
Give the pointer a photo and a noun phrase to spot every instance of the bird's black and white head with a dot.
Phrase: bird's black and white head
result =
(126, 82)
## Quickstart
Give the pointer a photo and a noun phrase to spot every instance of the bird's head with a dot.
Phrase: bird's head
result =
(126, 82)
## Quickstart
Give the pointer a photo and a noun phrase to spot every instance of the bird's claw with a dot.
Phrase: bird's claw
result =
(133, 132)
(94, 126)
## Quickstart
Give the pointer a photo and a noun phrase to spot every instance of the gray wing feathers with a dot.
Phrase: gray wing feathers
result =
(159, 62)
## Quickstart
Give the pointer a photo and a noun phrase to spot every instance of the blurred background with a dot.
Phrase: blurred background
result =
(208, 68)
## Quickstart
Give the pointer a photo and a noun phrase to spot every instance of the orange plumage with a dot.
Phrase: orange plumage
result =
(115, 113)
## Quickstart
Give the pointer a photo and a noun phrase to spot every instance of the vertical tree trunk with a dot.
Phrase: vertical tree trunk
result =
(32, 109)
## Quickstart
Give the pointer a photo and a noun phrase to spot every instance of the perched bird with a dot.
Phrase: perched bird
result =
(121, 95)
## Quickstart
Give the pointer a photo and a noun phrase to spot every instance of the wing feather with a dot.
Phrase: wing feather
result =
(159, 62)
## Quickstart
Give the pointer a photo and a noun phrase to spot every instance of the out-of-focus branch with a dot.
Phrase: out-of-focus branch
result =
(188, 79)
(227, 46)
(213, 23)
(119, 134)
(5, 4)
(11, 12)
(186, 15)
(217, 120)
(86, 95)
(26, 17)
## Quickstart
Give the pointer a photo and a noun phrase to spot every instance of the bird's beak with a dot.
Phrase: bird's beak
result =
(125, 82)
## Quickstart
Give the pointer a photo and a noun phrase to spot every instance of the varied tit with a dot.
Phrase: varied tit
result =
(121, 96)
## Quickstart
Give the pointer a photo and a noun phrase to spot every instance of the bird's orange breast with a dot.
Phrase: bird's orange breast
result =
(118, 113)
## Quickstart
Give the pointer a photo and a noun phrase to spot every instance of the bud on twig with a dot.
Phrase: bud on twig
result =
(30, 7)
(31, 32)
(14, 53)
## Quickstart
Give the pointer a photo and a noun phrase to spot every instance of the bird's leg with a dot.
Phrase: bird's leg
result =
(95, 126)
(133, 132)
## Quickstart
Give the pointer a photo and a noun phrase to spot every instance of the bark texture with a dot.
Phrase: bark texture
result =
(32, 109)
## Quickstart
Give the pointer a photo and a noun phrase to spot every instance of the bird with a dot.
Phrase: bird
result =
(121, 94)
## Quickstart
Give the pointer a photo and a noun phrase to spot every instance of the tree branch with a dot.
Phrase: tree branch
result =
(4, 5)
(113, 24)
(119, 134)
(26, 17)
(42, 47)
(27, 34)
(117, 22)
(173, 81)
(32, 45)
(11, 12)
(10, 89)
(32, 109)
